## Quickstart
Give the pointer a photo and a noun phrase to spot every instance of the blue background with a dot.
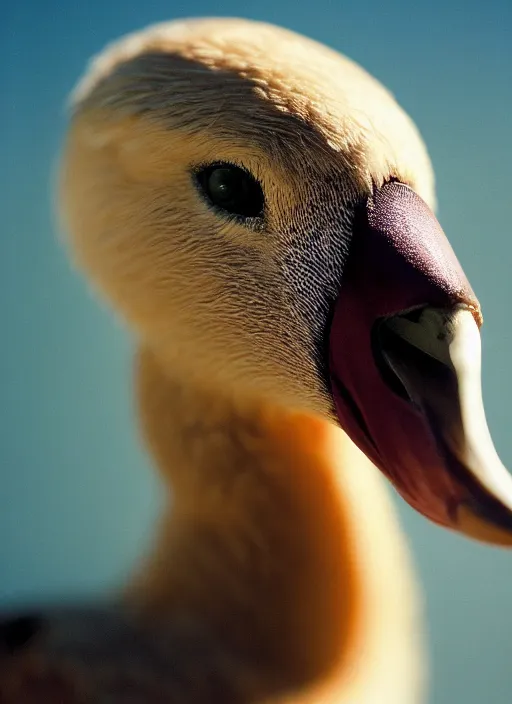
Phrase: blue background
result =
(77, 497)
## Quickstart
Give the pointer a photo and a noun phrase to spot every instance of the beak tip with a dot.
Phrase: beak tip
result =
(471, 523)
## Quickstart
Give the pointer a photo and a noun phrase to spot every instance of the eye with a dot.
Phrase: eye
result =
(231, 189)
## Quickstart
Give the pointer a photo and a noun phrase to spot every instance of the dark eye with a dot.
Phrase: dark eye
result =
(231, 189)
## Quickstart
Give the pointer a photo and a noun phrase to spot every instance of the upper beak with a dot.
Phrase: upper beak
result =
(405, 368)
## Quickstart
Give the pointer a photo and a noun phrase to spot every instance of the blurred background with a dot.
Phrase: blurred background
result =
(77, 496)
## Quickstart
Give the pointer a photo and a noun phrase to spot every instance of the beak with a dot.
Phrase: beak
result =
(404, 358)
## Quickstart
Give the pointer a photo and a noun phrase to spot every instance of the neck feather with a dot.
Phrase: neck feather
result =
(280, 537)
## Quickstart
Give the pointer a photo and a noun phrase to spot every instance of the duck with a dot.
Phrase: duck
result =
(260, 212)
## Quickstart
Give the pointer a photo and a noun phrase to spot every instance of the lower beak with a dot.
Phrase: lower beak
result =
(437, 359)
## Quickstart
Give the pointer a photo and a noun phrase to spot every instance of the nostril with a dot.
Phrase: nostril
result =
(16, 633)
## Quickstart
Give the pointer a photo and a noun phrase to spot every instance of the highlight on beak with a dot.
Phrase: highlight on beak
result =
(405, 362)
(437, 358)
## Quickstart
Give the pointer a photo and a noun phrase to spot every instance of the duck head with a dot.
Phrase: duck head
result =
(260, 210)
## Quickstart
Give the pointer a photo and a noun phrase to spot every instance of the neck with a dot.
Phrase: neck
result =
(282, 541)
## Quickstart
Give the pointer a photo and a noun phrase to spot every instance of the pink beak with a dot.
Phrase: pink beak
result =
(404, 355)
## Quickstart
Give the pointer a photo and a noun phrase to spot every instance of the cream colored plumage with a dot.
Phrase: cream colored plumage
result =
(278, 572)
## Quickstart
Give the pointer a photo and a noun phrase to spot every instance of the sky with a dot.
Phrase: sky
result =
(78, 497)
